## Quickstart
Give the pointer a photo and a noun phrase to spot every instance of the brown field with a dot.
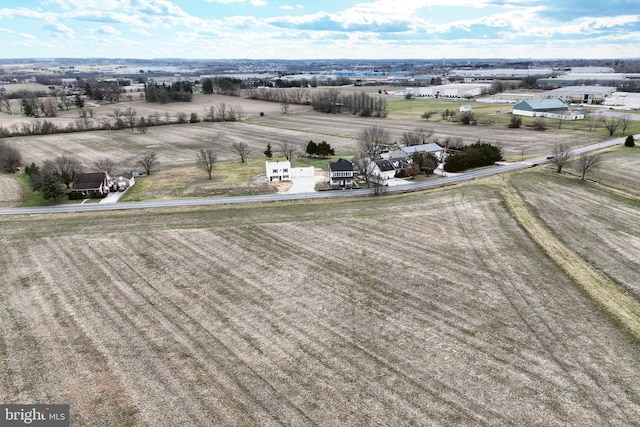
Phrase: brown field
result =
(421, 309)
(10, 191)
(602, 228)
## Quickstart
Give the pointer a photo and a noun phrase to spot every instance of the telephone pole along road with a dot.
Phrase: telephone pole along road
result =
(414, 186)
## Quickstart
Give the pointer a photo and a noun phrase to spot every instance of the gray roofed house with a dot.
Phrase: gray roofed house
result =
(383, 171)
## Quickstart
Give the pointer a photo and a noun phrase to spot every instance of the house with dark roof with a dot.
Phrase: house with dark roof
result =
(383, 171)
(341, 173)
(92, 183)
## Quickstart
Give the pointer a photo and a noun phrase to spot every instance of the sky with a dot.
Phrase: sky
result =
(320, 29)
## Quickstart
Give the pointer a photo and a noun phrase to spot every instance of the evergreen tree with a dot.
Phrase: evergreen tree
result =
(207, 86)
(268, 153)
(51, 187)
(312, 148)
(324, 149)
(629, 142)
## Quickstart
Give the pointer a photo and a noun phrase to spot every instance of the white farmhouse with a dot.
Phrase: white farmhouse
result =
(278, 170)
(382, 171)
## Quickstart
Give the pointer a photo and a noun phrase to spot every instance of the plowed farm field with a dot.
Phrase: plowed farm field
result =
(421, 309)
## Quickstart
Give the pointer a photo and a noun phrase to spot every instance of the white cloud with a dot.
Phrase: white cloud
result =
(59, 30)
(107, 30)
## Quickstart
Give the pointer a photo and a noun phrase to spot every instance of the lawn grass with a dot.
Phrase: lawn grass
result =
(228, 179)
(31, 197)
(488, 114)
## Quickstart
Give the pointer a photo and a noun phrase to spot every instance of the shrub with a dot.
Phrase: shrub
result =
(473, 156)
(629, 142)
(515, 122)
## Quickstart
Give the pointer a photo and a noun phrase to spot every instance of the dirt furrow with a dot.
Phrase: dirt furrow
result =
(138, 349)
(344, 355)
(203, 344)
(531, 314)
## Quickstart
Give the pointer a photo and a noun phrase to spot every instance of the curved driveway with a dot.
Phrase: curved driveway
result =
(449, 180)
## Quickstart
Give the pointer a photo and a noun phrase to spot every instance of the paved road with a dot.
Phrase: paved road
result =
(448, 180)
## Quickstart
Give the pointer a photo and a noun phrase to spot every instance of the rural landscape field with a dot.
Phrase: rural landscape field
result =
(442, 307)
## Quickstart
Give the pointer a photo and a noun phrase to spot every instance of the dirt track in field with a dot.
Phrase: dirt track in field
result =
(423, 309)
(620, 303)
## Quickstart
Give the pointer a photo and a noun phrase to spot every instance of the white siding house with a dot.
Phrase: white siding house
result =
(383, 171)
(278, 170)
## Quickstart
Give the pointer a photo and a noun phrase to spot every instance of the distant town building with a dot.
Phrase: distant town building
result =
(580, 94)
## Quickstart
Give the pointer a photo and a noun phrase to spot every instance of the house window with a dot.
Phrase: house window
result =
(285, 170)
(275, 171)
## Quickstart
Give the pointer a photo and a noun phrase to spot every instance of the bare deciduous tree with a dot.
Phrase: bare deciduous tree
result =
(117, 116)
(587, 162)
(105, 165)
(287, 149)
(417, 136)
(371, 140)
(5, 103)
(65, 168)
(206, 160)
(560, 156)
(611, 124)
(593, 120)
(242, 149)
(365, 167)
(130, 117)
(149, 161)
(624, 123)
(141, 125)
(10, 158)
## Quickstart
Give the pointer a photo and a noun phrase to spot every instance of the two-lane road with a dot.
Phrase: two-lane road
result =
(448, 180)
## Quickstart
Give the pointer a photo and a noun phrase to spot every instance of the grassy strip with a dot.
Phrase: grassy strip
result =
(615, 300)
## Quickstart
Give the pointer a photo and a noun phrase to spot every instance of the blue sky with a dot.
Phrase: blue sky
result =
(317, 29)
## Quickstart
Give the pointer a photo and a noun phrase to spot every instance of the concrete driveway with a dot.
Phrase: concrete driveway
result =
(306, 184)
(113, 197)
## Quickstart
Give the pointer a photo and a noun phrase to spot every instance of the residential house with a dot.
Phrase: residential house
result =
(278, 170)
(383, 171)
(341, 173)
(91, 183)
(430, 148)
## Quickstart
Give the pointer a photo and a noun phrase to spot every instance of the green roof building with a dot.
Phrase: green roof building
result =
(537, 107)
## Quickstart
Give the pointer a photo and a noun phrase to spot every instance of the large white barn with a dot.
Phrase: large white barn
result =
(456, 90)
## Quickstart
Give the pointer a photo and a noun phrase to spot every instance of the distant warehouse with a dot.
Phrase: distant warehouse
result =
(580, 94)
